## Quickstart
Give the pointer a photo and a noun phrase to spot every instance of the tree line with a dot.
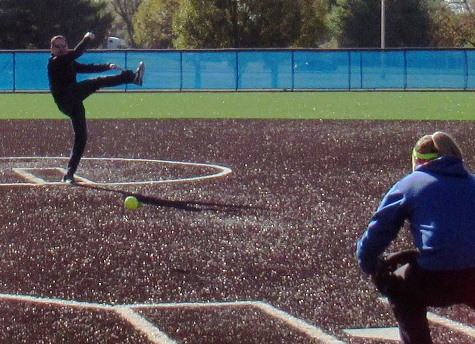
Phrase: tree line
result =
(209, 24)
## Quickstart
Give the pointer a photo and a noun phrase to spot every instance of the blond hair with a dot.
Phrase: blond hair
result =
(437, 144)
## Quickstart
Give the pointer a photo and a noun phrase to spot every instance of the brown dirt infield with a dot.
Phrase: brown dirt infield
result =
(280, 229)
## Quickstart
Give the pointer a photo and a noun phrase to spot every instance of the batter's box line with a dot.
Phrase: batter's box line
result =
(157, 336)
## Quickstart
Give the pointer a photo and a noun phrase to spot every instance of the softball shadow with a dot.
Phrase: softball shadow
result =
(180, 205)
(189, 205)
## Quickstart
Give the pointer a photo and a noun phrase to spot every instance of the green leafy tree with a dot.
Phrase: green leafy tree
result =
(230, 23)
(153, 24)
(31, 24)
(207, 24)
(357, 23)
(453, 26)
(314, 30)
(238, 23)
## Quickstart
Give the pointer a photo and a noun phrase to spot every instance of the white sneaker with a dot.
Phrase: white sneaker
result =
(69, 179)
(138, 78)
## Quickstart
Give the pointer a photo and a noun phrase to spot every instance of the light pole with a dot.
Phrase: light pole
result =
(383, 24)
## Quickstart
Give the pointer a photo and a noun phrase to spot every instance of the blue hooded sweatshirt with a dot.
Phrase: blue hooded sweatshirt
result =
(438, 201)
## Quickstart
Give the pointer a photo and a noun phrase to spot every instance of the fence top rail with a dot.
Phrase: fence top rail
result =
(243, 50)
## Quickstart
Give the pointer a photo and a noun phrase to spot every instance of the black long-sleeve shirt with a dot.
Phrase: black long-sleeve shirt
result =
(62, 70)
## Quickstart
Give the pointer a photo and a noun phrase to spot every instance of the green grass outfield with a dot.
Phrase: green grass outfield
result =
(298, 105)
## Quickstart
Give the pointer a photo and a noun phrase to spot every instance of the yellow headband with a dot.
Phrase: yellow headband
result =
(424, 156)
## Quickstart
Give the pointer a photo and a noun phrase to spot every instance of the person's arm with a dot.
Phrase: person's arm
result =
(382, 229)
(81, 47)
(78, 50)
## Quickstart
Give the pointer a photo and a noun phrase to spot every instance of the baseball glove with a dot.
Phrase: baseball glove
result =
(387, 265)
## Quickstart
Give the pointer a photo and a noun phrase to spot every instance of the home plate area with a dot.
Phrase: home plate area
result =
(104, 171)
(219, 322)
(197, 322)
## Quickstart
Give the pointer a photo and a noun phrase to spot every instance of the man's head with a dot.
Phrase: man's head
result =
(59, 45)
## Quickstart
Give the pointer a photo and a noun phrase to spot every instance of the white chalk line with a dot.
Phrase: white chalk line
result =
(157, 336)
(432, 317)
(33, 180)
(382, 333)
(23, 172)
(298, 324)
(446, 322)
(153, 333)
(453, 325)
(54, 301)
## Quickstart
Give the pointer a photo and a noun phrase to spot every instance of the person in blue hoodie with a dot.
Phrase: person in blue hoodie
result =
(437, 200)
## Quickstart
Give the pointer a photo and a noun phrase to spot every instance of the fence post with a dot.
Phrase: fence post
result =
(405, 70)
(349, 70)
(14, 72)
(181, 70)
(126, 55)
(465, 65)
(292, 69)
(237, 70)
(361, 70)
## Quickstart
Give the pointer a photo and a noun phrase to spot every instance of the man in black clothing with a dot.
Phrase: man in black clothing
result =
(69, 94)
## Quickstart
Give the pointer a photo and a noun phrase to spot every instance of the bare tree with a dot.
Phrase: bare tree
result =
(126, 10)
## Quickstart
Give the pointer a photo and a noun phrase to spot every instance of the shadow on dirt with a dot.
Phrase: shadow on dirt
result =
(181, 205)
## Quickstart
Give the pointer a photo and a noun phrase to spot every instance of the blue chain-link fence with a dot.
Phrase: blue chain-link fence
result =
(297, 69)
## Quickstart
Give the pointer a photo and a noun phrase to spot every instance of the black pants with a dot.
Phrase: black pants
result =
(412, 289)
(71, 104)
